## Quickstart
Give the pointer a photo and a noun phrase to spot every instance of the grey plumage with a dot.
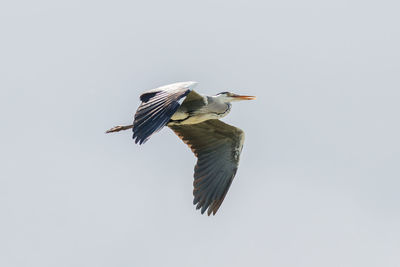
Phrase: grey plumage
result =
(158, 106)
(194, 118)
(217, 147)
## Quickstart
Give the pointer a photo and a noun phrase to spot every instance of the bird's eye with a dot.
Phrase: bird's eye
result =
(224, 93)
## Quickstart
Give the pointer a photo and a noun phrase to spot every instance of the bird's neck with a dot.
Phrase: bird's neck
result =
(219, 106)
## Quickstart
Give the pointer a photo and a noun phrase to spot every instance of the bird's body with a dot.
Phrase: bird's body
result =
(206, 108)
(195, 119)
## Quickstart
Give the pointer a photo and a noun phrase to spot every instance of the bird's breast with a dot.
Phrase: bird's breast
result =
(210, 112)
(180, 119)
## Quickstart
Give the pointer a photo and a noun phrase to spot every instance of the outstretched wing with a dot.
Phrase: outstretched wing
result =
(157, 107)
(217, 147)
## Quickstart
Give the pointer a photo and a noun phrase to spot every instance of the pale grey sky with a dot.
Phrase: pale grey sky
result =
(319, 179)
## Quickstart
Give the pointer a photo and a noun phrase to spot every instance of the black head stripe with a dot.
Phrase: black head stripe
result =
(223, 93)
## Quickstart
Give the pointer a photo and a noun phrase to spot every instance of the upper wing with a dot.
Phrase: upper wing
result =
(157, 107)
(217, 146)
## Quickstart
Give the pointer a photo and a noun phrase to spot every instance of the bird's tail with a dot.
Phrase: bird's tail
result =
(119, 128)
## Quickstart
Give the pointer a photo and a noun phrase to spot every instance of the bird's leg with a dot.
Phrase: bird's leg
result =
(119, 128)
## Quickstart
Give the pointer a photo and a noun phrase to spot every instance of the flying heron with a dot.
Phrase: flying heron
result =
(195, 119)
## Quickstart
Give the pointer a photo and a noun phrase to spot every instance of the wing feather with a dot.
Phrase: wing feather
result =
(157, 107)
(217, 147)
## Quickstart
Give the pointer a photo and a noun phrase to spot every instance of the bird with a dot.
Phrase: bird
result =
(194, 118)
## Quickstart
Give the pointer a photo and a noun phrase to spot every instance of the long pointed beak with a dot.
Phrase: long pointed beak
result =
(244, 97)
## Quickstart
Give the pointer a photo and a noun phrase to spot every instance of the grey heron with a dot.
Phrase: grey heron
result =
(195, 119)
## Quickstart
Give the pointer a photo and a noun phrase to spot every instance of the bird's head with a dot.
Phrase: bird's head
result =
(228, 97)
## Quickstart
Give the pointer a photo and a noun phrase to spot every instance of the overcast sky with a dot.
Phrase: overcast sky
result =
(319, 179)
